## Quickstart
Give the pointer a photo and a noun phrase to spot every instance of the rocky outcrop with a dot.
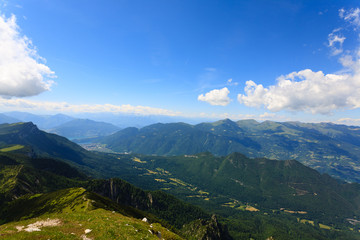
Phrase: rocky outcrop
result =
(206, 230)
(122, 192)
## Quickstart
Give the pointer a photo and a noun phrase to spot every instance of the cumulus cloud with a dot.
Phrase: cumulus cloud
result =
(28, 105)
(21, 71)
(216, 97)
(307, 91)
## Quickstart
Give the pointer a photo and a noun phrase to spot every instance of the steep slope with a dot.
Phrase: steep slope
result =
(20, 175)
(330, 148)
(84, 128)
(28, 139)
(28, 134)
(163, 205)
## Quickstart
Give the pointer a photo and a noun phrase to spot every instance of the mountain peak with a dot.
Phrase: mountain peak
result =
(226, 121)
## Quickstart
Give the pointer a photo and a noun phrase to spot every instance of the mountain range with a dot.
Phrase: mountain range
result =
(254, 197)
(326, 147)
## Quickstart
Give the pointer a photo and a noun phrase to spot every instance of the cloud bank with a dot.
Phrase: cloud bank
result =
(21, 73)
(28, 105)
(217, 97)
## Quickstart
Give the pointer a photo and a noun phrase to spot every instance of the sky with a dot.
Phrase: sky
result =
(267, 60)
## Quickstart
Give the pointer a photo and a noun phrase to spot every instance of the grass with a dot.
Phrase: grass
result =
(307, 221)
(8, 178)
(136, 159)
(323, 226)
(103, 225)
(12, 148)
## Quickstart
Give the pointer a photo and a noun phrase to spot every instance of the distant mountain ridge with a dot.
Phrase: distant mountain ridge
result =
(6, 119)
(327, 147)
(46, 122)
(84, 128)
(42, 121)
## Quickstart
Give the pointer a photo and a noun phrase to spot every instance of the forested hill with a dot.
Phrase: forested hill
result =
(326, 147)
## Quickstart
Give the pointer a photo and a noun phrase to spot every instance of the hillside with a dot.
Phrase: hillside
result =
(76, 213)
(84, 128)
(28, 139)
(279, 194)
(326, 147)
(27, 182)
(267, 184)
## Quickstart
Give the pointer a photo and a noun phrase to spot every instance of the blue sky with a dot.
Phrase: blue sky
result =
(236, 59)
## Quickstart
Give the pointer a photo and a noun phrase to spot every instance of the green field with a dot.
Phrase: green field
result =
(12, 148)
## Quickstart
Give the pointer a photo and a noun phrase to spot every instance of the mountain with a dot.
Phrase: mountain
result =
(28, 139)
(135, 120)
(7, 119)
(42, 121)
(84, 128)
(41, 143)
(326, 147)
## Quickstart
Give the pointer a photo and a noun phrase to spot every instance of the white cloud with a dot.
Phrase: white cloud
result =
(231, 83)
(336, 42)
(307, 91)
(28, 105)
(352, 16)
(348, 121)
(267, 115)
(310, 91)
(216, 97)
(21, 73)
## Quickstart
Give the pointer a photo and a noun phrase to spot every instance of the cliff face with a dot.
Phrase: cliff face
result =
(122, 192)
(206, 230)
